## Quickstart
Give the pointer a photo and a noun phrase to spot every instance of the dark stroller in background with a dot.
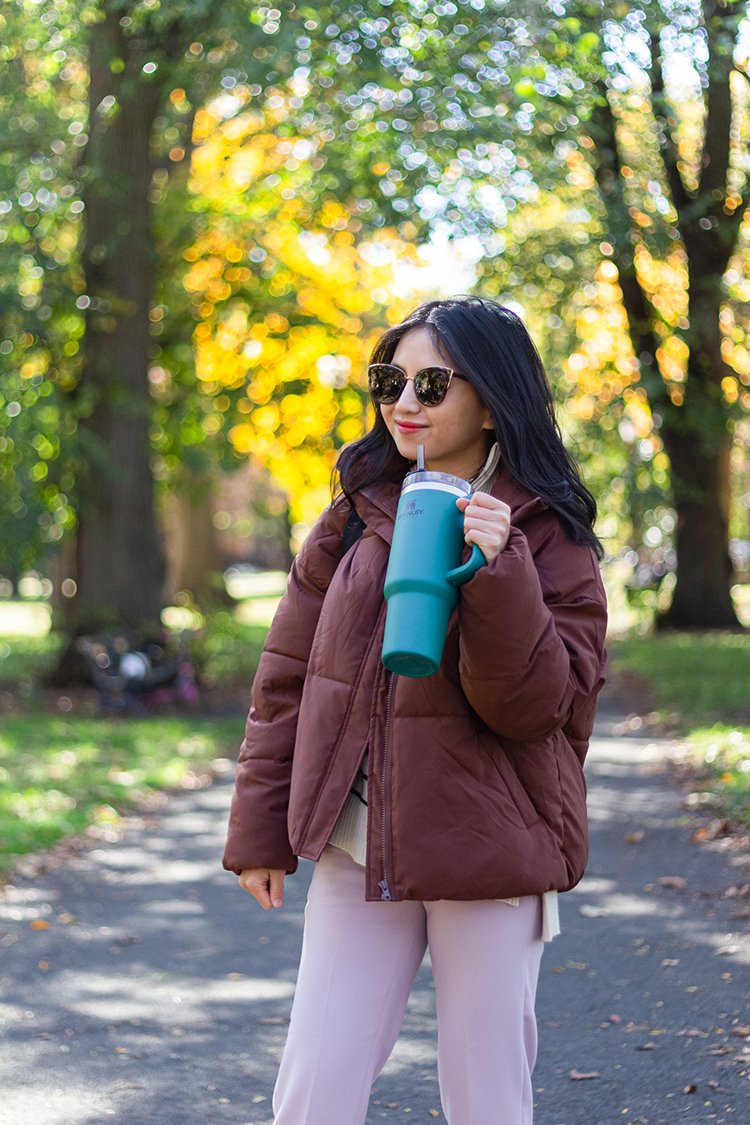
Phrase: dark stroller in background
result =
(135, 678)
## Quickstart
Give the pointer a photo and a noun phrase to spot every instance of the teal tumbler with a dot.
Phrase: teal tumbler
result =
(423, 572)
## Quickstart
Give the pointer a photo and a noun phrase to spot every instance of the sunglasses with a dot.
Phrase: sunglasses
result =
(430, 383)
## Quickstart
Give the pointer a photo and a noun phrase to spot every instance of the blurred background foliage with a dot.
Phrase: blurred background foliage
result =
(208, 212)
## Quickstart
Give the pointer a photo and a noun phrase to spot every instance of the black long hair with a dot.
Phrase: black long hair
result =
(488, 344)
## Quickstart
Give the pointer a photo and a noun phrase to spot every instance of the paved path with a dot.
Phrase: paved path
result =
(138, 984)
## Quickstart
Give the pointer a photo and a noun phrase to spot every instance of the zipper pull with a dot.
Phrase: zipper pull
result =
(385, 891)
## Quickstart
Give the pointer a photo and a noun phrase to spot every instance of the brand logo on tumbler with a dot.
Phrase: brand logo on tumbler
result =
(412, 510)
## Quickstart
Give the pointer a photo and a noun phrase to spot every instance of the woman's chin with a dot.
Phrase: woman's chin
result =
(407, 445)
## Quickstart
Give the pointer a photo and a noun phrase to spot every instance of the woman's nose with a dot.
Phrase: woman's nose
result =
(408, 400)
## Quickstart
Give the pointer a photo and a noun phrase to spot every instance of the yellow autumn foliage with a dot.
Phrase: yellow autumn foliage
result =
(287, 309)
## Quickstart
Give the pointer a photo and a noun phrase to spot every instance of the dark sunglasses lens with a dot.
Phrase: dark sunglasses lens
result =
(431, 385)
(386, 382)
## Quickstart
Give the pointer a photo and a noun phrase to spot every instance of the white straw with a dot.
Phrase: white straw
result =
(420, 458)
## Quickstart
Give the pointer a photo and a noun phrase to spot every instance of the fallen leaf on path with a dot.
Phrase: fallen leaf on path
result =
(691, 1089)
(693, 1033)
(434, 1113)
(646, 1047)
(742, 1031)
(39, 924)
(634, 837)
(584, 1075)
(670, 962)
(273, 1021)
(676, 882)
(725, 950)
(712, 831)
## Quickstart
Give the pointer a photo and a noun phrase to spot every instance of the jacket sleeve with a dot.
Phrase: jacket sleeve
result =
(257, 835)
(532, 629)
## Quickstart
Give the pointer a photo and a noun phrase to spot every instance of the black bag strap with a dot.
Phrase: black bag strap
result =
(355, 525)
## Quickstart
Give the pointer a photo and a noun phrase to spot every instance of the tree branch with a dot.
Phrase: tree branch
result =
(640, 313)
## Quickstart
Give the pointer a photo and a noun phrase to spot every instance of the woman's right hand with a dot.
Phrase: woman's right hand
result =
(264, 883)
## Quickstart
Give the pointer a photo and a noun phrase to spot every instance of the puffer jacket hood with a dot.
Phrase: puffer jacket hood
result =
(476, 785)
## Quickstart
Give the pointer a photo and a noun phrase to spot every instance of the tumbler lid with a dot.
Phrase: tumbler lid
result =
(442, 481)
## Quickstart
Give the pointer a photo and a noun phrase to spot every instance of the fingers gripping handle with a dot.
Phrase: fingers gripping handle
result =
(462, 574)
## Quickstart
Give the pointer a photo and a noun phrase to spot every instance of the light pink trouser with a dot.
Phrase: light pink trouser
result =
(359, 960)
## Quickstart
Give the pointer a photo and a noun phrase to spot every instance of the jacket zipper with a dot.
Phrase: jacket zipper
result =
(384, 885)
(385, 890)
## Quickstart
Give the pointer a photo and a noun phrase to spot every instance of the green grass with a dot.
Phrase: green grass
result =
(227, 653)
(27, 658)
(59, 775)
(698, 684)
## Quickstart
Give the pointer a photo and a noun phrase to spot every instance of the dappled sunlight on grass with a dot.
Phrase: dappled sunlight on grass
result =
(698, 677)
(62, 775)
(725, 753)
(698, 685)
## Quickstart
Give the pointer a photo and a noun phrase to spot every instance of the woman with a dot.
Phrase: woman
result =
(444, 812)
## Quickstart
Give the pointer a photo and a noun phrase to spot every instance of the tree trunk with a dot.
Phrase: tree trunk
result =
(194, 558)
(698, 442)
(700, 482)
(120, 565)
(695, 431)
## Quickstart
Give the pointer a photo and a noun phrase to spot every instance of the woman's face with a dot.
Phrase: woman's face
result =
(457, 433)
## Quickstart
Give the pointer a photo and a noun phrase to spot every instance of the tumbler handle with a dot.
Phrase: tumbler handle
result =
(463, 573)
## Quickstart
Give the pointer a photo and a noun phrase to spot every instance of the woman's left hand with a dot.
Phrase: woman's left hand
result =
(486, 523)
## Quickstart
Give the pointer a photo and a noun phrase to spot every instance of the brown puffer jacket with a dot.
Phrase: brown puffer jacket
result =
(476, 785)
